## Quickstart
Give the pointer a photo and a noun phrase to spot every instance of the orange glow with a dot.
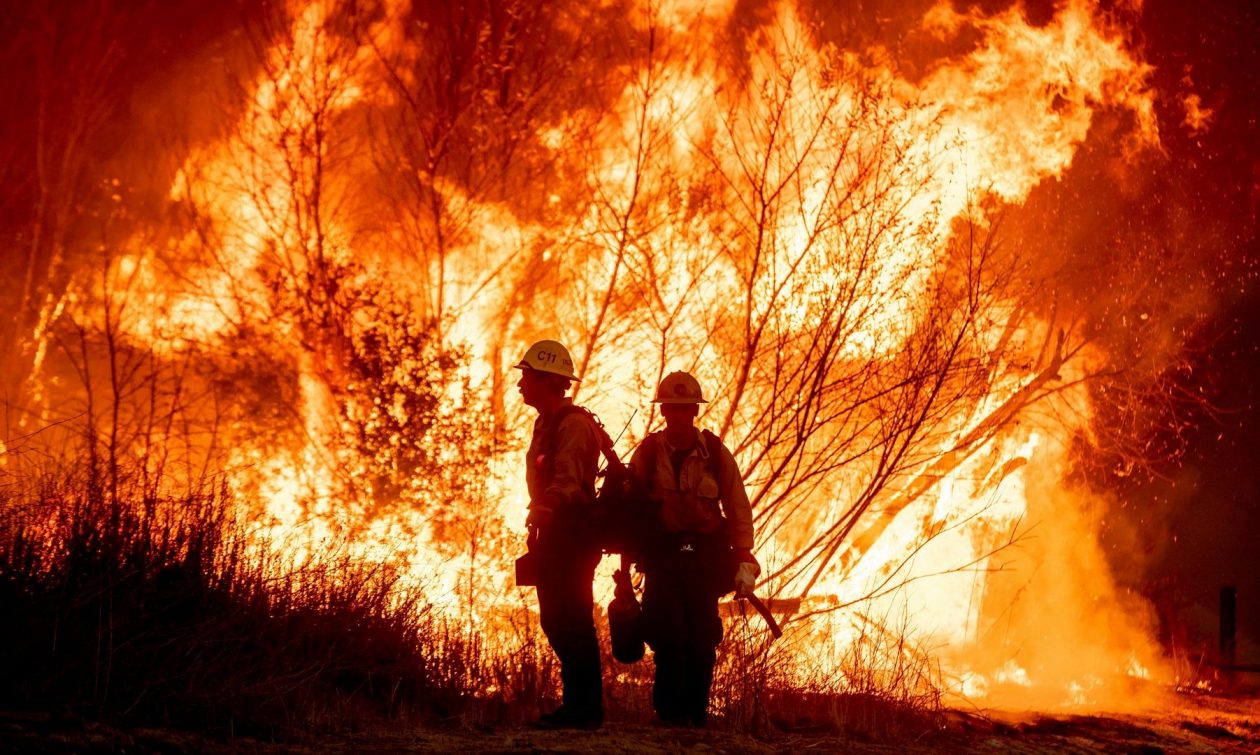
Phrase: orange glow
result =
(722, 212)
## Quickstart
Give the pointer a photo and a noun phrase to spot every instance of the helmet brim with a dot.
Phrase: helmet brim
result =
(524, 366)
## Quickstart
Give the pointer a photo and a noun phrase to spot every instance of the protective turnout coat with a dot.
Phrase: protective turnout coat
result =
(695, 499)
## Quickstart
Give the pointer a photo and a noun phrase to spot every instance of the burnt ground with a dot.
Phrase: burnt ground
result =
(1184, 724)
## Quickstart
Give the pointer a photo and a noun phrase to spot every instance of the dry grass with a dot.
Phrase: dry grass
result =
(165, 612)
(880, 687)
(161, 611)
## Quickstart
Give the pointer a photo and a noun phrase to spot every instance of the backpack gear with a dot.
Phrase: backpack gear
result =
(548, 356)
(679, 388)
(622, 517)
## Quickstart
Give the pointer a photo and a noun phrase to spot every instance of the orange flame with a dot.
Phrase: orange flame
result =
(641, 258)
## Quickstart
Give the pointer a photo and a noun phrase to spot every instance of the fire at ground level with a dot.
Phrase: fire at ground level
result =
(1178, 723)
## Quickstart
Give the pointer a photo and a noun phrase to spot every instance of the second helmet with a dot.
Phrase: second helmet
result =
(679, 388)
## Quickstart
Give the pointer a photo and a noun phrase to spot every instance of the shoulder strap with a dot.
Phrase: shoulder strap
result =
(651, 444)
(561, 414)
(549, 441)
(605, 441)
(713, 444)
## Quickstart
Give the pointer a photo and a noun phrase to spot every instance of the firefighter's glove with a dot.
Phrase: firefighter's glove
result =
(745, 580)
(542, 510)
(540, 516)
(746, 573)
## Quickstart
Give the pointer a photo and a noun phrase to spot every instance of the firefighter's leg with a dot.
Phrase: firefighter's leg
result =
(664, 619)
(704, 632)
(565, 605)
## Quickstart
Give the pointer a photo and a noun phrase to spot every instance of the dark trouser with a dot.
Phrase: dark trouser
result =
(682, 626)
(565, 605)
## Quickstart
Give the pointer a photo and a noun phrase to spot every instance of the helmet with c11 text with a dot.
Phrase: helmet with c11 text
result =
(550, 357)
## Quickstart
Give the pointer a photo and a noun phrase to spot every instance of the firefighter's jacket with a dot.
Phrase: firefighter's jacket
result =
(573, 459)
(692, 500)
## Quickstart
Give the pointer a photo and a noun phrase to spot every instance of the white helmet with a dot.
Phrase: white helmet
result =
(548, 356)
(679, 388)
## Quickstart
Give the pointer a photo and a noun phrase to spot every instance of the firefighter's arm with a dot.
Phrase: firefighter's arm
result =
(739, 517)
(735, 504)
(639, 462)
